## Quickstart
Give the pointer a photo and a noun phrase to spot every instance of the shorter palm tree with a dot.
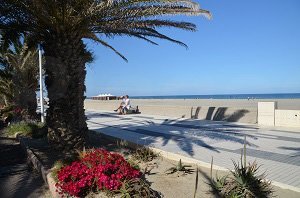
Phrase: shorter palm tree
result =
(6, 87)
(6, 84)
(18, 82)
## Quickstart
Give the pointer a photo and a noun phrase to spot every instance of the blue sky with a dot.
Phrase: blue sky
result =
(247, 47)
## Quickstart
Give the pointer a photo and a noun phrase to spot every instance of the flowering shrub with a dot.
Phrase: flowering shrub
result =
(97, 169)
(18, 110)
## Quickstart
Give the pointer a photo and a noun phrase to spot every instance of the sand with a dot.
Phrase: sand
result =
(291, 104)
(233, 110)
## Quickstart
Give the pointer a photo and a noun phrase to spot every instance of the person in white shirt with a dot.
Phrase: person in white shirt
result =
(121, 106)
(127, 106)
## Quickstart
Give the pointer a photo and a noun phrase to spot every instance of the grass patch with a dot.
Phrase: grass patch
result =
(57, 166)
(31, 129)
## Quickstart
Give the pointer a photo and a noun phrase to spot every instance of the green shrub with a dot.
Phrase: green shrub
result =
(144, 154)
(30, 129)
(57, 166)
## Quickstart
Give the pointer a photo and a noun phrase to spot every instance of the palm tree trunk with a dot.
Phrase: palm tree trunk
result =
(28, 101)
(65, 76)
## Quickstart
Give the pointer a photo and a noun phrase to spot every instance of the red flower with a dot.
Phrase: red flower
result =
(99, 169)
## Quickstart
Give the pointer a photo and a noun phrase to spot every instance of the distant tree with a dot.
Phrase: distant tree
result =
(61, 25)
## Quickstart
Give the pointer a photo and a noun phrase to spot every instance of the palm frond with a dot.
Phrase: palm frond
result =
(105, 44)
(41, 19)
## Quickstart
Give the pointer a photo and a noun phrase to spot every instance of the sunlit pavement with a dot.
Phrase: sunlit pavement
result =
(276, 149)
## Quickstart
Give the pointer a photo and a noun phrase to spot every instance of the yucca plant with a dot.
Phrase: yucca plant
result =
(61, 26)
(180, 167)
(82, 153)
(243, 181)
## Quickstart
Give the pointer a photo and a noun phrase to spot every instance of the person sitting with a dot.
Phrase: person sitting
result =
(127, 105)
(121, 106)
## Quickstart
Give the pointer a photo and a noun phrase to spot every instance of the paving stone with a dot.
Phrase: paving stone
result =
(277, 150)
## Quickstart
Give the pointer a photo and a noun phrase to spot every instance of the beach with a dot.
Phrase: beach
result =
(235, 110)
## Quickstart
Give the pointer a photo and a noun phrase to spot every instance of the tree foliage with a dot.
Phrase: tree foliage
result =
(95, 19)
(18, 83)
(60, 27)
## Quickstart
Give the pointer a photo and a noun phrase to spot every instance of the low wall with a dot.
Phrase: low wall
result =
(231, 114)
(266, 113)
(269, 115)
(287, 118)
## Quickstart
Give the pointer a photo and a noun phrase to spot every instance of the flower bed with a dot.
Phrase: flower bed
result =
(97, 170)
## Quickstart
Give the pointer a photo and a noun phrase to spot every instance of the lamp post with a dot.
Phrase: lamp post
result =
(41, 85)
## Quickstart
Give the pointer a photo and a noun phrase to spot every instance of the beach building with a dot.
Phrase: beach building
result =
(105, 97)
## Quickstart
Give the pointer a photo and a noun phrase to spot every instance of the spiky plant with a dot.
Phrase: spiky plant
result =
(180, 167)
(244, 181)
(60, 27)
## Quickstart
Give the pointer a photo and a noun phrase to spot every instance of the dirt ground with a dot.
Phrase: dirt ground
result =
(183, 185)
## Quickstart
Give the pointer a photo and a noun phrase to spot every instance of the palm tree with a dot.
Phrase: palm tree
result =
(61, 25)
(6, 82)
(19, 72)
(24, 64)
(6, 87)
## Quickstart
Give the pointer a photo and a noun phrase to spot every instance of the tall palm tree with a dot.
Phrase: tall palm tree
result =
(61, 25)
(19, 73)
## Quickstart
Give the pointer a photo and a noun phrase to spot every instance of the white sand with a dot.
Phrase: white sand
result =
(292, 104)
(237, 110)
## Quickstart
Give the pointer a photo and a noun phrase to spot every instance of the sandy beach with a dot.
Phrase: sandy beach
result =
(235, 110)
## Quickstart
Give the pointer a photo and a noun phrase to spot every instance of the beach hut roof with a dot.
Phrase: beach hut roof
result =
(103, 95)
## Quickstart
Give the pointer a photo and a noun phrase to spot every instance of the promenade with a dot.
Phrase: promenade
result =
(277, 150)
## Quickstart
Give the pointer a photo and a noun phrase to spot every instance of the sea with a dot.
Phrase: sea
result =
(226, 96)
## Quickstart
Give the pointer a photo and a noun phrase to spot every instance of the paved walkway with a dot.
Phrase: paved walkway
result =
(16, 179)
(277, 150)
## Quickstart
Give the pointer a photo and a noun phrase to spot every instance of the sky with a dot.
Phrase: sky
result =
(247, 47)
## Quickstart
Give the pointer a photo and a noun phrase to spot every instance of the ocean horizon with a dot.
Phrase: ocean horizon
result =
(225, 96)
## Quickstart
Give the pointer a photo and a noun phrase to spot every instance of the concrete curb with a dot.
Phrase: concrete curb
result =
(177, 157)
(33, 158)
(46, 174)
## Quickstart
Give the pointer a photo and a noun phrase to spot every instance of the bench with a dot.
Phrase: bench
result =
(133, 110)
